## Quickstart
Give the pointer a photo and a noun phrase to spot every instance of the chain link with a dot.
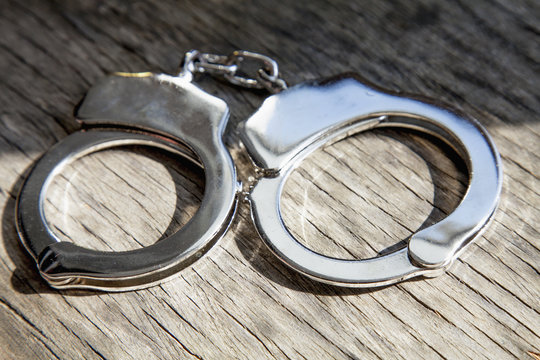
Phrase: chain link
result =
(230, 68)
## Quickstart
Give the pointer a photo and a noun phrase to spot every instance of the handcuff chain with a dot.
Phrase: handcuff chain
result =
(230, 68)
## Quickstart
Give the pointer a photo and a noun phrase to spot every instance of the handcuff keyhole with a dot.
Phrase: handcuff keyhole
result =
(365, 195)
(123, 198)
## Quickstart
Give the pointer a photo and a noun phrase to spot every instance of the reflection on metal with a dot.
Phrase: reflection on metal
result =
(292, 124)
(173, 114)
(154, 110)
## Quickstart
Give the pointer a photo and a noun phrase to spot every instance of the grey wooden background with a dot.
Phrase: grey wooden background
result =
(355, 199)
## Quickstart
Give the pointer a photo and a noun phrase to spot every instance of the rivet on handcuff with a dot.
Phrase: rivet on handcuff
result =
(171, 113)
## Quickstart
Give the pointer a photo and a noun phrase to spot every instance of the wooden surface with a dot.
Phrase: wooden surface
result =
(355, 199)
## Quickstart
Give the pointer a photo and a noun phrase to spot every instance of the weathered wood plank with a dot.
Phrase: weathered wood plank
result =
(354, 199)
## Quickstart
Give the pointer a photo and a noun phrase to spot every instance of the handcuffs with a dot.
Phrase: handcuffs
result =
(171, 113)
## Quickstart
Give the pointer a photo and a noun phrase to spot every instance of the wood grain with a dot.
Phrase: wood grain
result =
(358, 198)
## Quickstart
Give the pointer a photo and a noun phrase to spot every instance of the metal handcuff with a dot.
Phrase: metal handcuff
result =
(171, 113)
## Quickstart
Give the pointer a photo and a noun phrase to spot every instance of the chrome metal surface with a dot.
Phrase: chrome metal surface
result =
(171, 113)
(292, 124)
(231, 67)
(155, 110)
